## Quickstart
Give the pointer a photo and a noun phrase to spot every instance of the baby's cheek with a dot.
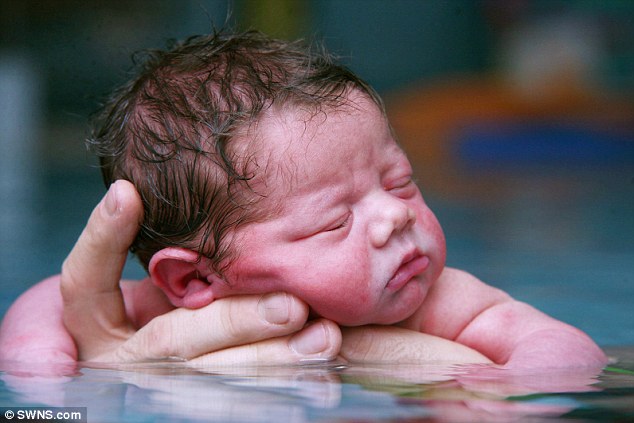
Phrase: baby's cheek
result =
(433, 234)
(345, 311)
(345, 305)
(341, 287)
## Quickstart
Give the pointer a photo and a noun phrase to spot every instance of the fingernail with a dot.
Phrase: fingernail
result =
(275, 308)
(111, 200)
(312, 340)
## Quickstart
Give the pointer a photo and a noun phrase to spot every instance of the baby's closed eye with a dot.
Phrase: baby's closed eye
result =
(340, 223)
(402, 187)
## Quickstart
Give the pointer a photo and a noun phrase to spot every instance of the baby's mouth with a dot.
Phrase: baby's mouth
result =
(412, 265)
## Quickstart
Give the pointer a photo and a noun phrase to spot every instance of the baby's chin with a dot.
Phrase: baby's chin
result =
(380, 309)
(390, 317)
(340, 319)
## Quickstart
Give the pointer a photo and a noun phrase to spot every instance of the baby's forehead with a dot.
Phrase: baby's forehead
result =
(292, 140)
(281, 127)
(299, 154)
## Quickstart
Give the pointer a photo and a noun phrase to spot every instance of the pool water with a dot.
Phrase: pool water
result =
(328, 392)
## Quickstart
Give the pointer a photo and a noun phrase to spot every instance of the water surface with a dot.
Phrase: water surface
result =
(327, 392)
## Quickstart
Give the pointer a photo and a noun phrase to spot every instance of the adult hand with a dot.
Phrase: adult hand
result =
(396, 345)
(238, 330)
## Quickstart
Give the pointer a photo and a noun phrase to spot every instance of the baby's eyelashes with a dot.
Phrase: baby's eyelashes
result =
(403, 187)
(337, 227)
(339, 224)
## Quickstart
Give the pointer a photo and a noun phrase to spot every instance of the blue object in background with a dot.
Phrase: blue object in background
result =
(512, 144)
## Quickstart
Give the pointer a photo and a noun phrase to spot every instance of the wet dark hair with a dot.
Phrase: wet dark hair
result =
(169, 131)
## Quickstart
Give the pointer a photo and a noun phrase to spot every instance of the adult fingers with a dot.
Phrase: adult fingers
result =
(397, 345)
(225, 323)
(319, 341)
(94, 311)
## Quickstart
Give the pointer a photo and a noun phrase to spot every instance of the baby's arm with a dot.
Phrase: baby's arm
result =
(462, 308)
(33, 330)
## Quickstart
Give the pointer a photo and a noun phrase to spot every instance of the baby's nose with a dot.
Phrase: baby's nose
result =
(393, 217)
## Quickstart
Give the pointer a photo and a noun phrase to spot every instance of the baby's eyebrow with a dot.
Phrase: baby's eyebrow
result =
(397, 162)
(320, 206)
(324, 203)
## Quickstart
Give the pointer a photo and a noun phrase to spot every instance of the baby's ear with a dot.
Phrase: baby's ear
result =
(183, 276)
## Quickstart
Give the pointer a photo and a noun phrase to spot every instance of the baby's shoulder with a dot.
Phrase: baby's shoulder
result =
(451, 273)
(454, 278)
(452, 302)
(455, 286)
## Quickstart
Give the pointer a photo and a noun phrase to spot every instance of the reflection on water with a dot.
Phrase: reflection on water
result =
(327, 392)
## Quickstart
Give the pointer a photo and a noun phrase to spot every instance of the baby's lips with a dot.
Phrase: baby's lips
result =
(410, 268)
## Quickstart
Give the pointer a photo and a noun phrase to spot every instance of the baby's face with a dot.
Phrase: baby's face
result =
(349, 232)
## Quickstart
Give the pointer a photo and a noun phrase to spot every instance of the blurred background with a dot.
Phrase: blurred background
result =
(518, 117)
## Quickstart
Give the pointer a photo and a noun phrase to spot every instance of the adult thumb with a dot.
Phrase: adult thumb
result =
(94, 311)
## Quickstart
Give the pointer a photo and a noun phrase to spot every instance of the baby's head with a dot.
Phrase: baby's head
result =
(264, 166)
(171, 132)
